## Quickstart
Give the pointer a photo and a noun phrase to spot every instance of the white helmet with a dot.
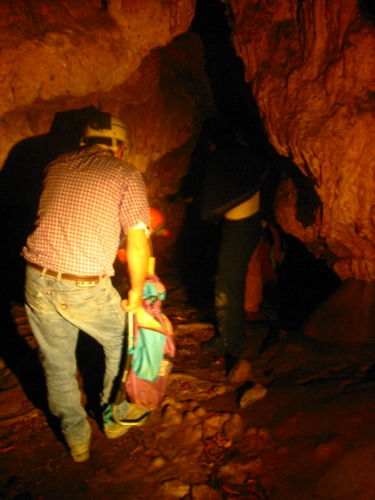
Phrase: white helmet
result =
(107, 131)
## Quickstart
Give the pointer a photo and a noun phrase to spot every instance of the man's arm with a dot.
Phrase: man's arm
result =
(138, 254)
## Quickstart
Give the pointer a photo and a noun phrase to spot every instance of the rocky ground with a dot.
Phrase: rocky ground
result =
(294, 420)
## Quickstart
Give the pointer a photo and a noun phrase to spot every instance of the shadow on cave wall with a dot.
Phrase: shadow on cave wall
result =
(21, 182)
(20, 189)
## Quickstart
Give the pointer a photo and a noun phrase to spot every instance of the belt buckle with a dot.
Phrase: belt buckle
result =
(86, 283)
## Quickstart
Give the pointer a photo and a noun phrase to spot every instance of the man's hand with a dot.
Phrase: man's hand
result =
(134, 301)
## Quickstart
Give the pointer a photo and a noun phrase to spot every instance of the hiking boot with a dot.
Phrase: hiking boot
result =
(81, 452)
(215, 345)
(135, 416)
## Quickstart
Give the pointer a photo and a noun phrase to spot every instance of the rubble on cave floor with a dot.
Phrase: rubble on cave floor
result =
(308, 434)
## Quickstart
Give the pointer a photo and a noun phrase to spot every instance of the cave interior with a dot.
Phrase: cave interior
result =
(311, 356)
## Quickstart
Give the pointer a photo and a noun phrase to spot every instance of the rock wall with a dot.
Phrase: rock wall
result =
(309, 64)
(65, 55)
(311, 68)
(51, 49)
(135, 60)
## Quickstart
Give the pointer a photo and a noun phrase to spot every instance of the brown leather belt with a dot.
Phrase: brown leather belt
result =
(64, 276)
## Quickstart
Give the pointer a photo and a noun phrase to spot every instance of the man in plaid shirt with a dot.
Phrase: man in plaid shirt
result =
(90, 198)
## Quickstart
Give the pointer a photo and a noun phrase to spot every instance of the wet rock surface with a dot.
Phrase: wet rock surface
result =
(309, 435)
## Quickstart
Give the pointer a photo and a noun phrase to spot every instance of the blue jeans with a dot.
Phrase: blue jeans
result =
(57, 309)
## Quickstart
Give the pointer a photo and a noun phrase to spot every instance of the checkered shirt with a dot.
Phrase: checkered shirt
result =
(90, 199)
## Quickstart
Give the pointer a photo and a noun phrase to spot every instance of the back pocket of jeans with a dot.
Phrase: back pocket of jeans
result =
(35, 301)
(85, 305)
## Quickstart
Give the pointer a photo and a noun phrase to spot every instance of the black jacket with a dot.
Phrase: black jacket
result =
(232, 176)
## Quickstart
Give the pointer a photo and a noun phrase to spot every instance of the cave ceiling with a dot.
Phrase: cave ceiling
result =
(309, 66)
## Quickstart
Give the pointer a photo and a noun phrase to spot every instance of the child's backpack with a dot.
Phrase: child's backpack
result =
(150, 349)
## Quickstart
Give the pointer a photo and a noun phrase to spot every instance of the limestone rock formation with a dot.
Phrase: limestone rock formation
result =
(54, 48)
(310, 65)
(140, 63)
(65, 55)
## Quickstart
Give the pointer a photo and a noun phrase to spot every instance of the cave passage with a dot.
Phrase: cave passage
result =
(234, 100)
(304, 281)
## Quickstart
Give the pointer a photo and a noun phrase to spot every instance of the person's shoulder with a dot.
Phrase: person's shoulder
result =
(129, 172)
(128, 167)
(62, 159)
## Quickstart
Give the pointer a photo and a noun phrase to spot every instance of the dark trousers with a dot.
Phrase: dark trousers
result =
(239, 240)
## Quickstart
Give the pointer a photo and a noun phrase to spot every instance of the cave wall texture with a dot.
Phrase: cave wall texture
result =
(309, 65)
(127, 58)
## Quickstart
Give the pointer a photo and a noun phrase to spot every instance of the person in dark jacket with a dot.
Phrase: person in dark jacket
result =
(231, 195)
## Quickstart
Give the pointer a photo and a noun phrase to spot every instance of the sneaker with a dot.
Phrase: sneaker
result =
(215, 345)
(136, 416)
(81, 452)
(114, 430)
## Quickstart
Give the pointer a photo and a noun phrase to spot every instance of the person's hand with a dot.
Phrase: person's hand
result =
(134, 301)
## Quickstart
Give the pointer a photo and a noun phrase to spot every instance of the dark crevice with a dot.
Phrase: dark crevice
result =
(304, 281)
(367, 10)
(226, 73)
